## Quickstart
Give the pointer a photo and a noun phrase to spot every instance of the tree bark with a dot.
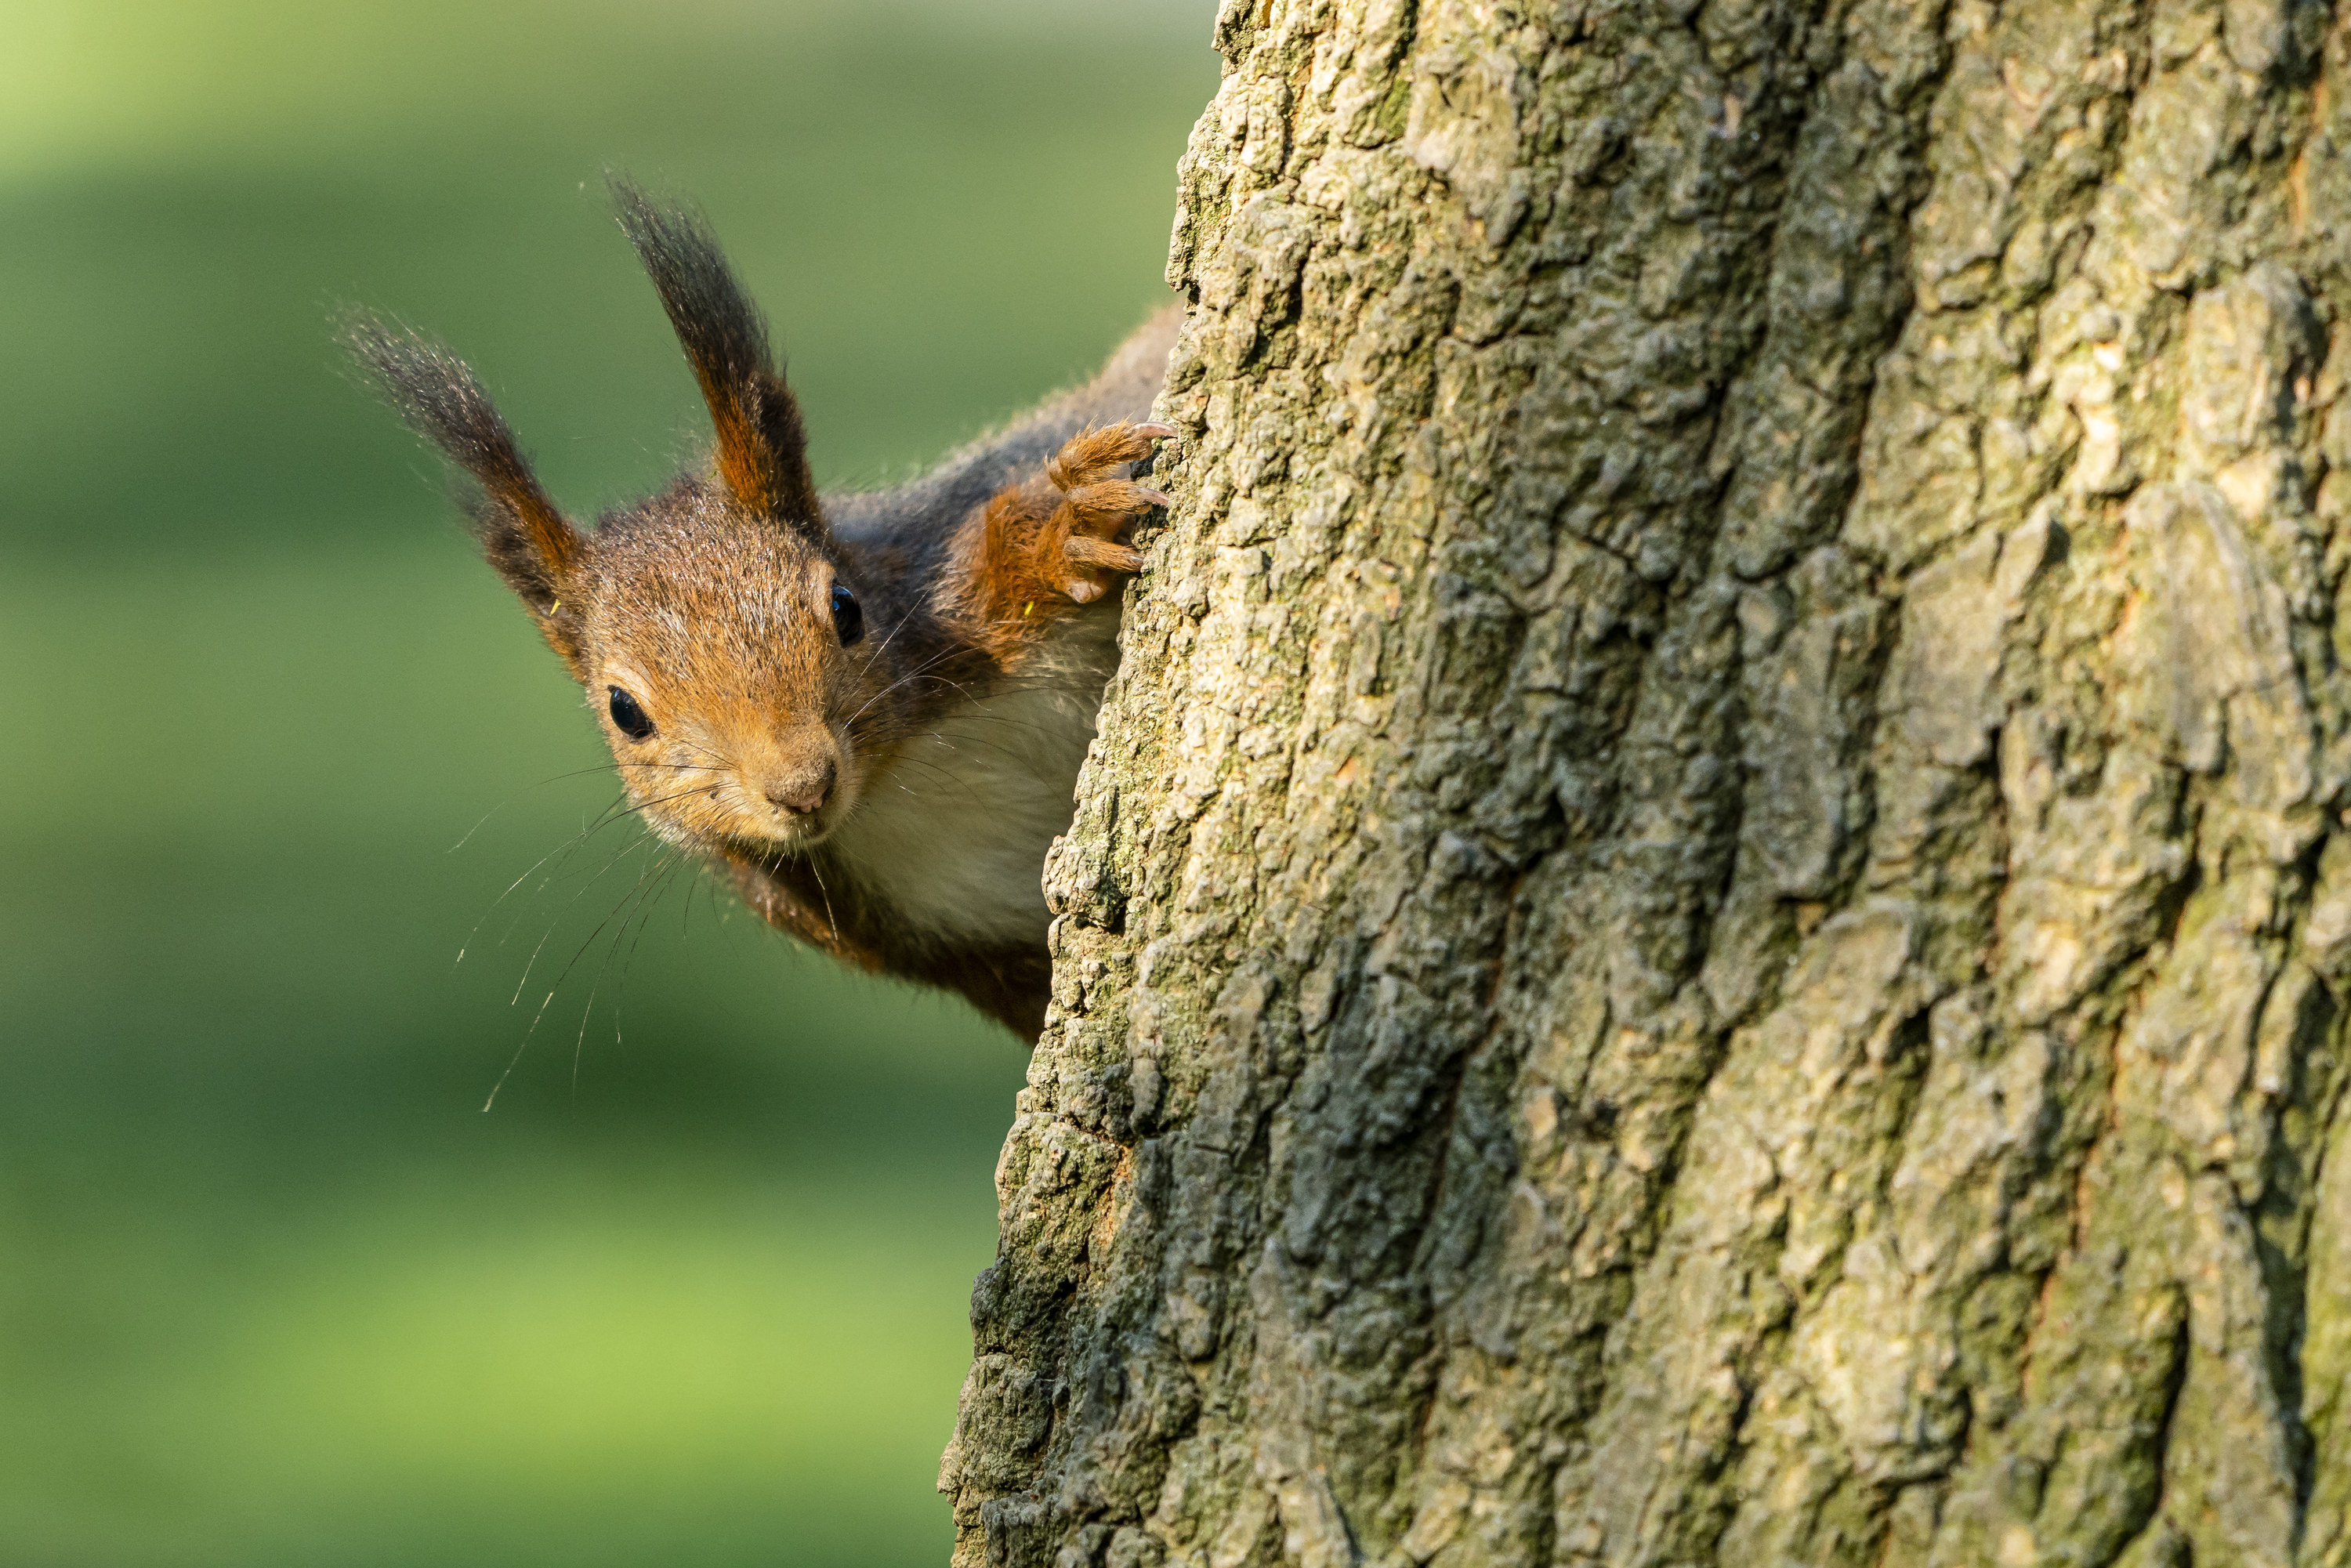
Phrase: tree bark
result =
(1710, 918)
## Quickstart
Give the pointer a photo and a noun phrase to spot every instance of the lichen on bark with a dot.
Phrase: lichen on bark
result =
(1709, 920)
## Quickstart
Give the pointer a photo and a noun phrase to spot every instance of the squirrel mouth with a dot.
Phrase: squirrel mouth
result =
(789, 836)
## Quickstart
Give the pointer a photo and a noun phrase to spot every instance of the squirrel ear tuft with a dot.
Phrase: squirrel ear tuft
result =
(525, 538)
(762, 451)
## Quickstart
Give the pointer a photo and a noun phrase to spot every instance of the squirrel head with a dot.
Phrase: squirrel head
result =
(715, 626)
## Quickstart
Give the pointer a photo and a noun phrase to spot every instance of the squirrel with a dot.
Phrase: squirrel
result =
(868, 709)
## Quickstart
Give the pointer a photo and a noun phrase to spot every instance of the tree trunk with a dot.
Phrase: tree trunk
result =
(1710, 921)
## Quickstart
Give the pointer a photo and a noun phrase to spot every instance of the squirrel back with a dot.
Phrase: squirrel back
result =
(870, 709)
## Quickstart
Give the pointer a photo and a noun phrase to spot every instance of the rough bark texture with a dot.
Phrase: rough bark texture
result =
(1710, 921)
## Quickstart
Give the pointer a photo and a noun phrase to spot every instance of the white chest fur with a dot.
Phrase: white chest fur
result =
(954, 835)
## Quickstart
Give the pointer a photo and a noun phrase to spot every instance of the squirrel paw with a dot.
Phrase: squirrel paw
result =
(1078, 550)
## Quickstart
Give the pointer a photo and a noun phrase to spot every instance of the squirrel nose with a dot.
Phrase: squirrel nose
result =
(803, 792)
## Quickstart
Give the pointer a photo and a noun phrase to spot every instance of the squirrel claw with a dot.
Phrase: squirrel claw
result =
(1091, 457)
(1080, 549)
(1076, 553)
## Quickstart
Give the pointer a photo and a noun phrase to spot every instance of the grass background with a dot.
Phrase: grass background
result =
(273, 1289)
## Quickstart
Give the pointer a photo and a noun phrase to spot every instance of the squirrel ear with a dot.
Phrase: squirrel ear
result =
(762, 451)
(525, 538)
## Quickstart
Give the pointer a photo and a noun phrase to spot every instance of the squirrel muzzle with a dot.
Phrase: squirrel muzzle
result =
(791, 784)
(803, 789)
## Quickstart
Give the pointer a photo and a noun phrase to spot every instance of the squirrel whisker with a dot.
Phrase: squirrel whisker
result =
(618, 856)
(552, 779)
(638, 900)
(563, 849)
(902, 680)
(951, 778)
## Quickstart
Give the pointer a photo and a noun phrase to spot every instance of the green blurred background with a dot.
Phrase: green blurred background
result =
(273, 1289)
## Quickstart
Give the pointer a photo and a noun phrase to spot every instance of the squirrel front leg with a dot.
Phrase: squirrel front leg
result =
(1045, 547)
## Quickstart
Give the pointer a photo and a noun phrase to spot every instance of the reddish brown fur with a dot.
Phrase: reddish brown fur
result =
(760, 451)
(735, 450)
(1045, 546)
(801, 763)
(751, 426)
(554, 540)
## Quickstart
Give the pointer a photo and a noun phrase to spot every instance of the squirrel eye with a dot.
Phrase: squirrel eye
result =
(627, 717)
(847, 618)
